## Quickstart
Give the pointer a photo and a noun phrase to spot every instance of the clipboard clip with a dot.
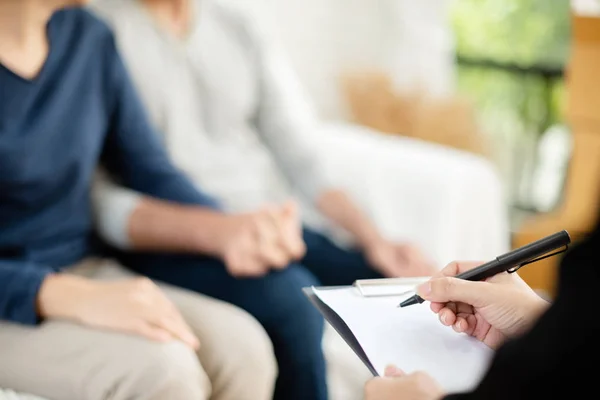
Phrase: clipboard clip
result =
(387, 287)
(517, 267)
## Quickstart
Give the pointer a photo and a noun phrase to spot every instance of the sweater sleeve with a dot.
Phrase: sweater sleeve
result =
(133, 151)
(285, 118)
(113, 206)
(19, 286)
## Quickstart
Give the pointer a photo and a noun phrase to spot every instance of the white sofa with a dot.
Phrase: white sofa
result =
(11, 395)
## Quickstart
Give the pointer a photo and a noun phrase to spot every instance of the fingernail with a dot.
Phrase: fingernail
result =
(390, 370)
(443, 318)
(424, 290)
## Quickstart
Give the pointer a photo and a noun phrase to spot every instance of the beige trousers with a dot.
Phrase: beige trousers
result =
(61, 360)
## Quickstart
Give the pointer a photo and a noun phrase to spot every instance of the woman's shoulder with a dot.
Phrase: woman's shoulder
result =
(80, 22)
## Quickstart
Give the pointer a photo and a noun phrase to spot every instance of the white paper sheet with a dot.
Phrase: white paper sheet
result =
(411, 338)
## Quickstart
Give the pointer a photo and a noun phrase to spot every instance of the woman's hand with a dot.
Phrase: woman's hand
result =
(493, 310)
(398, 385)
(135, 306)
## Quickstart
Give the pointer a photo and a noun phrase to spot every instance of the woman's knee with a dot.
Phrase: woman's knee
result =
(158, 371)
(239, 357)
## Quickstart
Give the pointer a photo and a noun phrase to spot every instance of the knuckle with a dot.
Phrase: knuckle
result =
(164, 321)
(419, 375)
(450, 269)
(280, 259)
(143, 283)
(445, 284)
(138, 327)
(233, 268)
(421, 378)
(230, 259)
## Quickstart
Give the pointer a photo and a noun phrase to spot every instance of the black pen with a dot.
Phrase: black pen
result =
(511, 261)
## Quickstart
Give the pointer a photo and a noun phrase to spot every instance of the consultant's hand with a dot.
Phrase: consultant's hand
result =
(268, 239)
(398, 260)
(135, 306)
(492, 311)
(397, 385)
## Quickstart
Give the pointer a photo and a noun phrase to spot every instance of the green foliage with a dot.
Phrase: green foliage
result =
(519, 31)
(528, 33)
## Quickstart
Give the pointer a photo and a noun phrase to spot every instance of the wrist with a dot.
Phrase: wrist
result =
(534, 308)
(61, 295)
(537, 308)
(211, 232)
(369, 239)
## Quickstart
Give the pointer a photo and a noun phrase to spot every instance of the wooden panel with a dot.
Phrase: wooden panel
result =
(585, 29)
(542, 275)
(583, 72)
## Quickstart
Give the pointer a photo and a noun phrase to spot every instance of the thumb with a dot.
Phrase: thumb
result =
(443, 290)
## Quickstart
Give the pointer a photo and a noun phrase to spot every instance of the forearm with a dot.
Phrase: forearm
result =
(337, 206)
(158, 225)
(131, 221)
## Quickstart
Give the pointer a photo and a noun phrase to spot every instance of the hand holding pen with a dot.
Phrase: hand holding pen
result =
(493, 310)
(488, 300)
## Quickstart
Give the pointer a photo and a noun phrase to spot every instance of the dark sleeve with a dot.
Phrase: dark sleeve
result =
(133, 152)
(551, 360)
(19, 286)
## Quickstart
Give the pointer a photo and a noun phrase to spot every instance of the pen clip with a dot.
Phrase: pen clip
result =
(517, 267)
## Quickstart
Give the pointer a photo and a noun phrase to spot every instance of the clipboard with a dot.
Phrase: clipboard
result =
(340, 326)
(385, 287)
(380, 333)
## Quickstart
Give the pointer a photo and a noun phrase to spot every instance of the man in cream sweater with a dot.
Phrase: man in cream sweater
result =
(235, 122)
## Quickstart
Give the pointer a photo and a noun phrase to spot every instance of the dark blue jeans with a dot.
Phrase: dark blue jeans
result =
(275, 300)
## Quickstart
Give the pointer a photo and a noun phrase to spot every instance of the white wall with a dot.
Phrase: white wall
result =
(325, 38)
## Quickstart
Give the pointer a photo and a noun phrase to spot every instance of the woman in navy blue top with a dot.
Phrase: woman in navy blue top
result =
(66, 103)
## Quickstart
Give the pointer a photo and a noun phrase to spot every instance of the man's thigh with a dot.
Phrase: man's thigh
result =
(333, 265)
